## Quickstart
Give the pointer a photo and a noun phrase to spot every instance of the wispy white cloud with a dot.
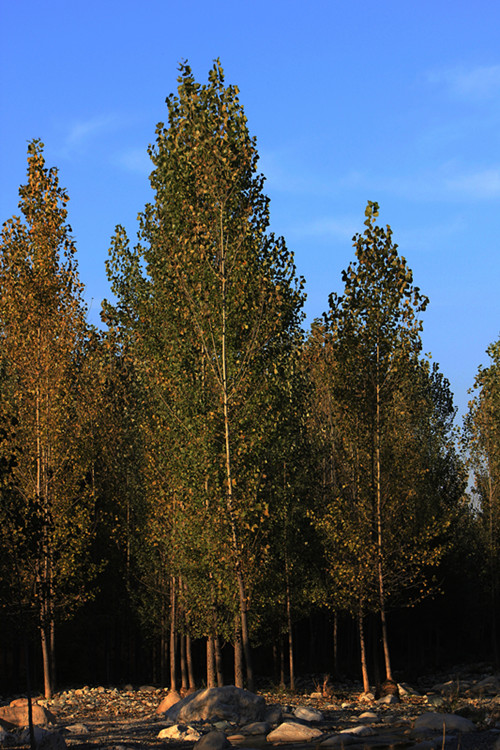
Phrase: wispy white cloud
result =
(481, 82)
(482, 184)
(80, 133)
(135, 160)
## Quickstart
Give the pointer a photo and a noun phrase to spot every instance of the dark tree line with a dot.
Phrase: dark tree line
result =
(203, 484)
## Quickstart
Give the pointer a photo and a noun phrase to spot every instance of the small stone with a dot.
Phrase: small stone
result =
(77, 729)
(291, 731)
(305, 713)
(369, 716)
(360, 731)
(256, 727)
(388, 699)
(339, 740)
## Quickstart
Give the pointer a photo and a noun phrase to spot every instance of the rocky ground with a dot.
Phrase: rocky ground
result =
(126, 718)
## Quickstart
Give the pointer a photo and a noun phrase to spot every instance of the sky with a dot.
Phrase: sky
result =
(395, 101)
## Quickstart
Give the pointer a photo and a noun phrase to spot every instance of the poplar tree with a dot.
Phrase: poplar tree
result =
(213, 302)
(375, 333)
(482, 431)
(47, 512)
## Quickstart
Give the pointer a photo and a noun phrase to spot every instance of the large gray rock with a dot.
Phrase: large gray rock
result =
(292, 731)
(434, 722)
(228, 702)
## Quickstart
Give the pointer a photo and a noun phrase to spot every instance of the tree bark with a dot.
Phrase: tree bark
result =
(173, 633)
(189, 663)
(211, 682)
(238, 656)
(218, 662)
(362, 648)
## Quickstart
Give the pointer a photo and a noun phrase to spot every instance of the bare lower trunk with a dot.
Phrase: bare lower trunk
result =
(47, 684)
(189, 662)
(362, 648)
(184, 678)
(238, 656)
(282, 663)
(211, 682)
(335, 645)
(218, 662)
(290, 631)
(173, 633)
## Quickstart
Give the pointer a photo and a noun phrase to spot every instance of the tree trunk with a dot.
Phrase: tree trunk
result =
(229, 478)
(289, 624)
(380, 548)
(45, 639)
(218, 662)
(173, 616)
(335, 645)
(362, 648)
(184, 677)
(238, 656)
(211, 682)
(189, 663)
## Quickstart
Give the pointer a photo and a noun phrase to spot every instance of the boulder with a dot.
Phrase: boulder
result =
(170, 699)
(214, 740)
(434, 722)
(17, 716)
(306, 713)
(273, 714)
(228, 702)
(292, 731)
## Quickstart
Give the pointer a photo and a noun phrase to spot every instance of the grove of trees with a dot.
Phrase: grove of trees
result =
(202, 490)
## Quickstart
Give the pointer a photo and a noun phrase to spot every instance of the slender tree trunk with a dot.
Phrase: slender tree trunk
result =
(362, 648)
(173, 633)
(230, 499)
(218, 662)
(189, 663)
(45, 640)
(184, 678)
(282, 663)
(211, 682)
(380, 548)
(335, 645)
(238, 655)
(289, 625)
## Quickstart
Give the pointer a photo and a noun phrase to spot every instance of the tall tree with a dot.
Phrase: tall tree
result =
(43, 331)
(483, 440)
(216, 310)
(375, 335)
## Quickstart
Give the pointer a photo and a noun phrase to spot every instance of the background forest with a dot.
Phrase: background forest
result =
(204, 491)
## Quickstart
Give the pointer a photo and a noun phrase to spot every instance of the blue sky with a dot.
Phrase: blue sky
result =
(395, 101)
